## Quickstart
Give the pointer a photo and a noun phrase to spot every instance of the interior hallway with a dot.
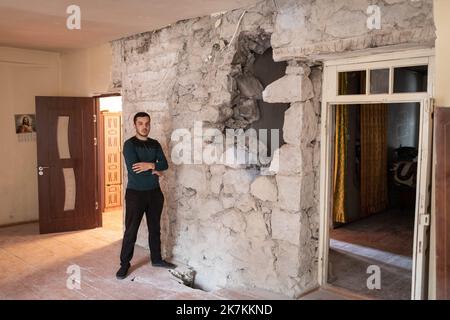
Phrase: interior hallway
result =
(34, 266)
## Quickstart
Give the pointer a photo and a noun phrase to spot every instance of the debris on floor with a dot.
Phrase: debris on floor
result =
(185, 275)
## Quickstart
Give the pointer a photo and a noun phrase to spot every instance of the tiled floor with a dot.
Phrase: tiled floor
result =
(34, 266)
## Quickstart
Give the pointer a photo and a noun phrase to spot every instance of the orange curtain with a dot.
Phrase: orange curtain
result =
(340, 155)
(340, 163)
(374, 187)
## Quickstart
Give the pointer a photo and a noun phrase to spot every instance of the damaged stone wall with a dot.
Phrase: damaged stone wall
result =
(310, 29)
(238, 225)
(246, 88)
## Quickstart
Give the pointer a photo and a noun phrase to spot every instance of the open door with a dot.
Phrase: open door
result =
(423, 203)
(442, 134)
(112, 153)
(66, 160)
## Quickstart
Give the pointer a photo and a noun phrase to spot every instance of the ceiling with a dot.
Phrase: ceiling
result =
(41, 24)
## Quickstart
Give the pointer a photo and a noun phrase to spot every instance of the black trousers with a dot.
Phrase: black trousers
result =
(137, 202)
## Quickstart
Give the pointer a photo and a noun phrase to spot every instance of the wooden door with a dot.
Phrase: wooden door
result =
(113, 160)
(442, 145)
(66, 162)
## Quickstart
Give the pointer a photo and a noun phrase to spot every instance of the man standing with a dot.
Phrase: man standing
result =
(144, 159)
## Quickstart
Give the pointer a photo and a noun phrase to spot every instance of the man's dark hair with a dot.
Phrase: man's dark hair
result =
(140, 115)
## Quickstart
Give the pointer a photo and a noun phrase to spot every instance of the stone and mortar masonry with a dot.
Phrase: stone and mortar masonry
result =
(234, 225)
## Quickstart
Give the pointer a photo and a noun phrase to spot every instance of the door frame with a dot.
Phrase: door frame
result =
(100, 193)
(330, 97)
(102, 150)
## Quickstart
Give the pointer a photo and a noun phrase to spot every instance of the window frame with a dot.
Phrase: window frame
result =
(384, 61)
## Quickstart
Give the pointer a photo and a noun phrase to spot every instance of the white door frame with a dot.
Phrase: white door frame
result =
(330, 97)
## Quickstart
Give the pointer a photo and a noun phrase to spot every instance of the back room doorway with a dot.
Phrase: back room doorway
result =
(374, 189)
(375, 182)
(110, 161)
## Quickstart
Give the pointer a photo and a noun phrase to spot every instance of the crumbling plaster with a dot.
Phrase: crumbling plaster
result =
(240, 225)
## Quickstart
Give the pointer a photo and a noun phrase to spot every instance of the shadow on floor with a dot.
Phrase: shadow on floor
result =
(350, 271)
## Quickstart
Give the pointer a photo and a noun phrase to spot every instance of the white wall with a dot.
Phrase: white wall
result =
(442, 21)
(86, 72)
(25, 74)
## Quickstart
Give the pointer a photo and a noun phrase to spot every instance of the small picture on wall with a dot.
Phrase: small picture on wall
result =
(25, 123)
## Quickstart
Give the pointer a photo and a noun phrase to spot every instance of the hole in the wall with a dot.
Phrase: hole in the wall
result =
(253, 69)
(267, 71)
(246, 88)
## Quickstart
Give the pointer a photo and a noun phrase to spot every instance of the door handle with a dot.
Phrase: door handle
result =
(41, 170)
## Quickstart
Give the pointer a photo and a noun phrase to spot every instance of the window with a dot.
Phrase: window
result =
(379, 81)
(410, 79)
(352, 82)
(390, 77)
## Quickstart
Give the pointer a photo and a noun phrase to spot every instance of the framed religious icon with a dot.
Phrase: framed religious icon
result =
(25, 123)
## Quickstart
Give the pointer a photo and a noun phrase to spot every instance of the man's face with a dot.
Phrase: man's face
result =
(26, 121)
(142, 126)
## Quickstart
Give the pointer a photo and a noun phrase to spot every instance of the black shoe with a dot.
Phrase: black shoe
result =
(164, 264)
(122, 273)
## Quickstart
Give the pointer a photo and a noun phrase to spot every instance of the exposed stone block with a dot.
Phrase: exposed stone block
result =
(292, 160)
(264, 189)
(194, 177)
(234, 220)
(300, 124)
(290, 88)
(238, 181)
(228, 201)
(246, 203)
(256, 226)
(285, 226)
(287, 262)
(298, 69)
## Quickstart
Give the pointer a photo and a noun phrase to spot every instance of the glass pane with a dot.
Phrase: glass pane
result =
(62, 137)
(411, 79)
(352, 82)
(379, 81)
(70, 189)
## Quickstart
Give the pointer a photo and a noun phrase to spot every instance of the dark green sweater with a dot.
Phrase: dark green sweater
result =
(134, 151)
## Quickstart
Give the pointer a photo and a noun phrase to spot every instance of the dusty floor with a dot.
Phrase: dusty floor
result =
(390, 231)
(384, 240)
(34, 266)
